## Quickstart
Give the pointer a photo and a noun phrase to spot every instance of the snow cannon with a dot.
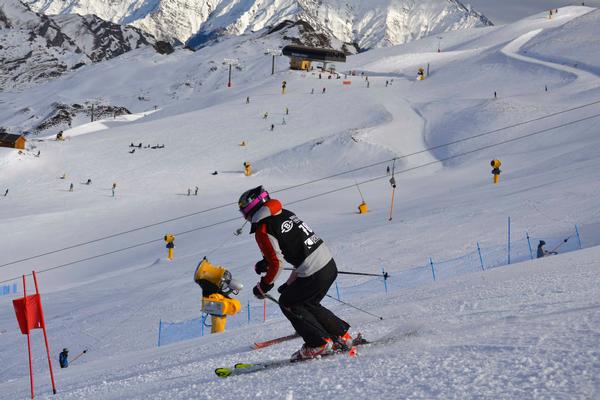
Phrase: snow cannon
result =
(496, 170)
(247, 168)
(169, 239)
(217, 285)
(363, 208)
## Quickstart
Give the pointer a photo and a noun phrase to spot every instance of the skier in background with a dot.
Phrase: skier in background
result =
(6, 193)
(541, 252)
(280, 236)
(63, 358)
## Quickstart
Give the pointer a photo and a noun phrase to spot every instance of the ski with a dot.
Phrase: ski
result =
(267, 343)
(247, 368)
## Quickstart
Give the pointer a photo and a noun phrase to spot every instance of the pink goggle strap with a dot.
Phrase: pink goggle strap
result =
(254, 202)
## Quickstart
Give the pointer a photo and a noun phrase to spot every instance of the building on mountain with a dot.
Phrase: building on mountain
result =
(12, 141)
(302, 56)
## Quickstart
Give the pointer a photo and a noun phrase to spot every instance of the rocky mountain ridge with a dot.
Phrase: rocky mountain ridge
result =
(376, 23)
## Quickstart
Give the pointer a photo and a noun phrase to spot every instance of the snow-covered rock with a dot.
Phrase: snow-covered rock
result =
(369, 24)
(35, 47)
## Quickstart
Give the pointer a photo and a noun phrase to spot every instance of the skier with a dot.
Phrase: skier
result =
(541, 252)
(189, 191)
(88, 182)
(247, 99)
(287, 111)
(196, 191)
(272, 126)
(114, 186)
(63, 358)
(323, 92)
(265, 115)
(71, 187)
(281, 235)
(6, 193)
(312, 91)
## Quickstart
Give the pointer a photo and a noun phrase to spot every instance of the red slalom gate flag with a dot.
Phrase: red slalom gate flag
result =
(29, 313)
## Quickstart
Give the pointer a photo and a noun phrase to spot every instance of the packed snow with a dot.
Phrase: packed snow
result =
(527, 330)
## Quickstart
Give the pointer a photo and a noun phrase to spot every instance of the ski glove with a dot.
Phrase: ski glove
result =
(261, 289)
(282, 288)
(261, 266)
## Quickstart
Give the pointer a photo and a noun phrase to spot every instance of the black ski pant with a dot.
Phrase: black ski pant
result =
(300, 303)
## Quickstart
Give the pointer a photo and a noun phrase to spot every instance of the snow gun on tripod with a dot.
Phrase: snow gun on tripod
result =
(217, 285)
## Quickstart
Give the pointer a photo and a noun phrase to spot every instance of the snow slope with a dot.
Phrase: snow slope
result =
(529, 330)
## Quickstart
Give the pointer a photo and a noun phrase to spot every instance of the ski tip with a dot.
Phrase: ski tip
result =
(223, 372)
(242, 365)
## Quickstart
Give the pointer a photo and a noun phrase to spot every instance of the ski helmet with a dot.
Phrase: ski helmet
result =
(542, 243)
(251, 200)
(65, 350)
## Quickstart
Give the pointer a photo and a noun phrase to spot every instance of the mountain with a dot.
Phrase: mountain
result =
(35, 47)
(378, 23)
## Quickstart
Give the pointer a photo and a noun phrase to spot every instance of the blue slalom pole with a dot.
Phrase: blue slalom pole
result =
(508, 240)
(480, 257)
(384, 280)
(529, 243)
(578, 237)
(248, 311)
(337, 289)
(432, 268)
(159, 329)
(202, 319)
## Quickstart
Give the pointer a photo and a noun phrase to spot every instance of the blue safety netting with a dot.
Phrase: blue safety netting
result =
(521, 248)
(8, 289)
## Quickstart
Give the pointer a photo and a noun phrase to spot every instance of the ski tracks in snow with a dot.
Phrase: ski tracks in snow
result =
(512, 50)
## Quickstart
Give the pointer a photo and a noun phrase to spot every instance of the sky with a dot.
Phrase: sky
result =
(505, 11)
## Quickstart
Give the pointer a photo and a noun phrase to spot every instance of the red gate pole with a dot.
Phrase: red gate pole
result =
(28, 337)
(45, 335)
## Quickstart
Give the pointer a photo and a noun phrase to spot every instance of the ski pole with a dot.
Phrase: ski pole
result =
(560, 244)
(300, 317)
(77, 356)
(239, 230)
(384, 275)
(356, 308)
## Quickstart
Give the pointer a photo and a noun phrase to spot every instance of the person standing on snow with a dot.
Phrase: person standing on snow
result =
(281, 235)
(63, 358)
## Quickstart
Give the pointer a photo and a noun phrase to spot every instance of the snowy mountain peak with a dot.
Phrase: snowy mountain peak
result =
(370, 24)
(36, 47)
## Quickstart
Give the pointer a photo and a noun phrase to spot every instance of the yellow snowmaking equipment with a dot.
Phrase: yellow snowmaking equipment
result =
(217, 284)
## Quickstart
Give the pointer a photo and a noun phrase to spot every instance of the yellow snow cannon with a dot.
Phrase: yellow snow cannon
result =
(170, 239)
(247, 168)
(217, 285)
(496, 170)
(363, 208)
